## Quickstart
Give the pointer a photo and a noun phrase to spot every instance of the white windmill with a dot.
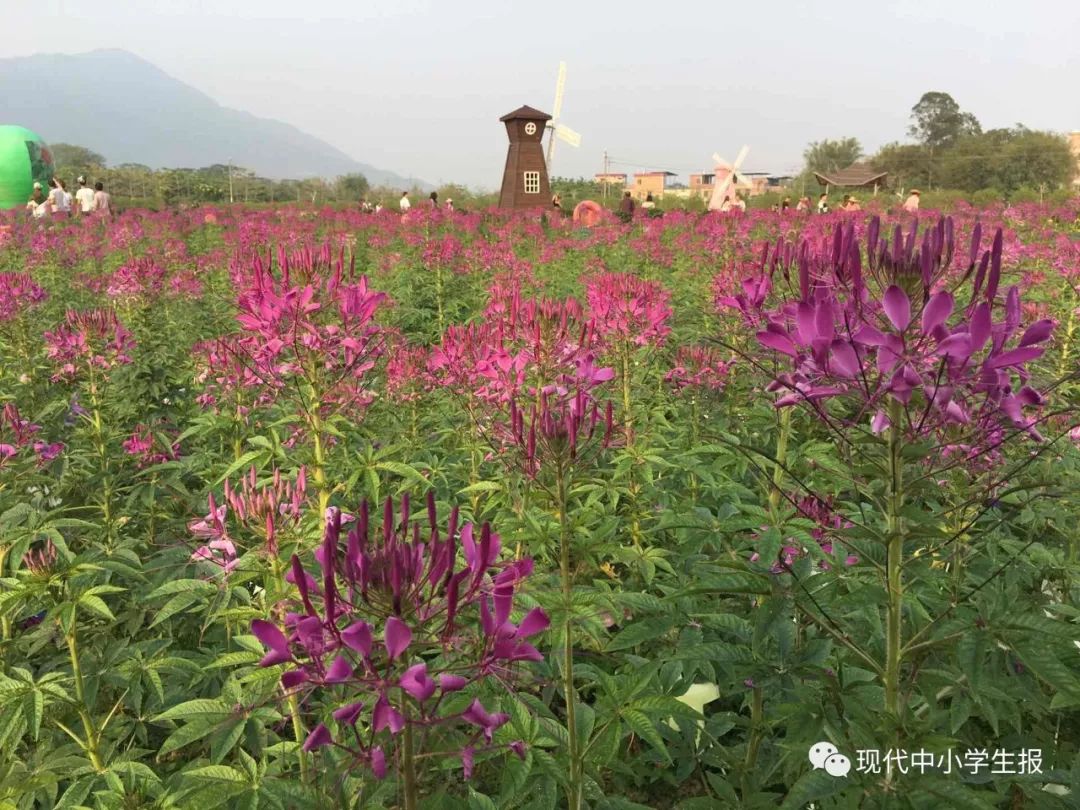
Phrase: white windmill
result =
(559, 130)
(724, 177)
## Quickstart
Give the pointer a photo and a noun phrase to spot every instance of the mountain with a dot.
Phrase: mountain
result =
(125, 108)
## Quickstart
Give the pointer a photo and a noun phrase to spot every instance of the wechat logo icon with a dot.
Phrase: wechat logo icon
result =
(826, 755)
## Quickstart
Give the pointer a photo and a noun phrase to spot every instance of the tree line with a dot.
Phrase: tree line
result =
(951, 150)
(134, 184)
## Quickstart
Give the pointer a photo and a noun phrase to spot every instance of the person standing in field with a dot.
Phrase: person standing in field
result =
(404, 203)
(823, 204)
(449, 204)
(84, 198)
(803, 204)
(911, 204)
(626, 207)
(649, 203)
(102, 201)
(37, 197)
(60, 199)
(434, 197)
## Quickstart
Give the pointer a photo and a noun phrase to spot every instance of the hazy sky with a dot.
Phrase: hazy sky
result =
(417, 86)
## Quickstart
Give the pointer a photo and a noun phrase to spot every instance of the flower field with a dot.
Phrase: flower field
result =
(322, 509)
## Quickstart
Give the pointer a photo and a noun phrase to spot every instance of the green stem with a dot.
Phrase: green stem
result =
(628, 416)
(298, 734)
(894, 565)
(319, 473)
(103, 455)
(627, 401)
(408, 766)
(91, 745)
(574, 786)
(439, 296)
(1066, 344)
(757, 704)
(776, 493)
(757, 732)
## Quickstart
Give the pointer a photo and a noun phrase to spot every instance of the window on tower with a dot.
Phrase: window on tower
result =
(532, 182)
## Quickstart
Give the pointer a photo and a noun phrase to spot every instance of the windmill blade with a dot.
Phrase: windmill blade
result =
(567, 135)
(716, 159)
(556, 111)
(719, 195)
(560, 85)
(742, 156)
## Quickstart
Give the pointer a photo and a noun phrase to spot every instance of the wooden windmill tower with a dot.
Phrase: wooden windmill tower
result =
(724, 179)
(525, 178)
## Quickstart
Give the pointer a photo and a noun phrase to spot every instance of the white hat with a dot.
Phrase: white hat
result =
(37, 185)
(80, 179)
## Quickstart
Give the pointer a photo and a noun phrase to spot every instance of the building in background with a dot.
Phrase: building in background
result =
(857, 175)
(750, 184)
(646, 183)
(611, 179)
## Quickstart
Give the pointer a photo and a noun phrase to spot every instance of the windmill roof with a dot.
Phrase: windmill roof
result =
(855, 175)
(527, 112)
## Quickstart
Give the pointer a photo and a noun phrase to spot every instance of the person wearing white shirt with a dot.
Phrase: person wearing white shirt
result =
(59, 198)
(84, 197)
(404, 203)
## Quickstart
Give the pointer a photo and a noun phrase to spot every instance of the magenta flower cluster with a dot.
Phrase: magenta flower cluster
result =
(17, 432)
(88, 340)
(306, 323)
(395, 626)
(263, 509)
(18, 292)
(899, 331)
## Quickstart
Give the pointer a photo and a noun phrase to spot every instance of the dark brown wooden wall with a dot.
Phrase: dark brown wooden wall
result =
(525, 154)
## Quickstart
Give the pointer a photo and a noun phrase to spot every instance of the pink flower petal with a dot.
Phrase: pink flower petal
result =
(897, 307)
(397, 637)
(936, 311)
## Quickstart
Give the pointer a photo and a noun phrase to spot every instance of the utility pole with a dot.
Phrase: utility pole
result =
(230, 181)
(605, 173)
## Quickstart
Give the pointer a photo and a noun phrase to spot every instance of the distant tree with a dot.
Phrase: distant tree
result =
(1006, 160)
(830, 155)
(970, 163)
(1035, 160)
(907, 164)
(351, 187)
(937, 120)
(574, 190)
(70, 156)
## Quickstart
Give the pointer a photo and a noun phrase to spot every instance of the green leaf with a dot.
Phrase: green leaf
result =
(481, 486)
(96, 605)
(219, 773)
(178, 604)
(811, 786)
(197, 586)
(195, 709)
(235, 659)
(34, 706)
(1047, 666)
(478, 801)
(225, 739)
(405, 471)
(641, 725)
(242, 462)
(640, 632)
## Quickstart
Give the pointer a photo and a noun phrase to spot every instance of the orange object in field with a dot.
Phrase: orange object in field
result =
(588, 213)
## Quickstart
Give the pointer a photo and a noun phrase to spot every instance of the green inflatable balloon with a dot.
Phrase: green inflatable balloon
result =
(24, 160)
